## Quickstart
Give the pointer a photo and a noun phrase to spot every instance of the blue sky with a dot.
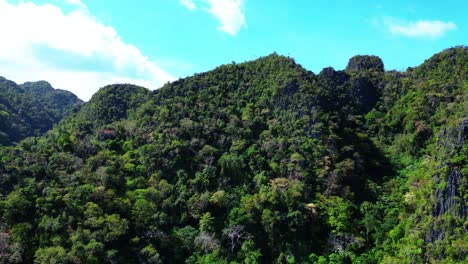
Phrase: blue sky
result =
(83, 45)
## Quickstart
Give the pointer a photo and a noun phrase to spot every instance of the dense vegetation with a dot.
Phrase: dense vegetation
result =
(259, 162)
(31, 109)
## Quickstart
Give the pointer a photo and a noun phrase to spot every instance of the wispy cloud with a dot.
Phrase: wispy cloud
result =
(228, 12)
(71, 50)
(76, 3)
(419, 29)
(188, 4)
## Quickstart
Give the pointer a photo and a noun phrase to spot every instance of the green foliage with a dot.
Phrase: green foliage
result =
(206, 222)
(339, 214)
(259, 162)
(31, 109)
(50, 255)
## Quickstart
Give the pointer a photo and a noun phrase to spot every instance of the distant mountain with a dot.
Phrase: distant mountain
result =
(31, 109)
(258, 162)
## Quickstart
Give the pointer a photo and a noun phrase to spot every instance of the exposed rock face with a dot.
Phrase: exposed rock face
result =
(361, 88)
(365, 62)
(463, 132)
(452, 139)
(364, 92)
(332, 77)
(450, 197)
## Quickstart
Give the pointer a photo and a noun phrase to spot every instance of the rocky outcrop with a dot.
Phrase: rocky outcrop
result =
(449, 196)
(450, 199)
(365, 63)
(364, 92)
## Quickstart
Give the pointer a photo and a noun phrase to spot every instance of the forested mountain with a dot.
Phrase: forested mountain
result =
(31, 109)
(258, 162)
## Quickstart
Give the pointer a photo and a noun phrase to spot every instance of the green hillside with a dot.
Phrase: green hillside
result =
(31, 109)
(258, 162)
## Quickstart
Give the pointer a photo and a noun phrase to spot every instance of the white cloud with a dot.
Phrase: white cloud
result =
(228, 12)
(189, 4)
(72, 50)
(420, 29)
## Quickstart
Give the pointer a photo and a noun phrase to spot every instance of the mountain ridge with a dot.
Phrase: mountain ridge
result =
(31, 109)
(257, 162)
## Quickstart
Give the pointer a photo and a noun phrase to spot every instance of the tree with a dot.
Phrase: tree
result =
(50, 255)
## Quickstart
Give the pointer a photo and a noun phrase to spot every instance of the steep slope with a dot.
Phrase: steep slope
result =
(423, 123)
(31, 109)
(257, 162)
